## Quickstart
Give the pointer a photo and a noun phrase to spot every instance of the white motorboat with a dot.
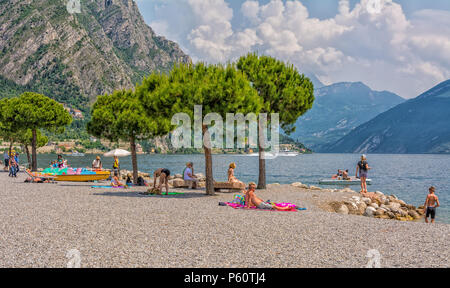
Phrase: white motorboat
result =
(351, 181)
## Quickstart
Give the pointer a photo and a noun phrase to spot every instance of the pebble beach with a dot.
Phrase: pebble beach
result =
(41, 223)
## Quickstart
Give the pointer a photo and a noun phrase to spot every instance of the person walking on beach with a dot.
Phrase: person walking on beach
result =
(12, 167)
(363, 169)
(17, 160)
(431, 203)
(163, 174)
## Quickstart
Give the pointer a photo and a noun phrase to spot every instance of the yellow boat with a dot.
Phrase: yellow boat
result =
(100, 175)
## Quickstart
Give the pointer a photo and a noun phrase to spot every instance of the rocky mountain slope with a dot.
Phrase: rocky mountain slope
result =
(73, 57)
(420, 125)
(338, 109)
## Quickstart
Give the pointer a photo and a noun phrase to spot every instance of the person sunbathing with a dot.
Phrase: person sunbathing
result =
(116, 183)
(251, 200)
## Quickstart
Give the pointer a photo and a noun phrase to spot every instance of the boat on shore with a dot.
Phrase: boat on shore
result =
(76, 174)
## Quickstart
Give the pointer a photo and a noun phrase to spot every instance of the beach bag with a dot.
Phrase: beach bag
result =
(140, 181)
(238, 199)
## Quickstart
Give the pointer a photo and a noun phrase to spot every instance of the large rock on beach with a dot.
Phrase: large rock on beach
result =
(370, 212)
(366, 200)
(352, 207)
(342, 209)
(414, 214)
(374, 205)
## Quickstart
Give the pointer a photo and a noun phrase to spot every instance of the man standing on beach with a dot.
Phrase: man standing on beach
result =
(431, 203)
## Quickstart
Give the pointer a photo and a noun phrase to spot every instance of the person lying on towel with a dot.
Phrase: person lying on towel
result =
(116, 183)
(251, 200)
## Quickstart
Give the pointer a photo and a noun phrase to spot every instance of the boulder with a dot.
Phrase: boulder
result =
(362, 208)
(401, 202)
(178, 183)
(200, 176)
(391, 215)
(366, 200)
(374, 205)
(414, 214)
(382, 206)
(379, 212)
(171, 177)
(352, 207)
(379, 193)
(394, 206)
(342, 209)
(178, 176)
(370, 211)
(314, 188)
(402, 213)
(356, 198)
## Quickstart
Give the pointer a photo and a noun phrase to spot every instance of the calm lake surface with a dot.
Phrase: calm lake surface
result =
(407, 176)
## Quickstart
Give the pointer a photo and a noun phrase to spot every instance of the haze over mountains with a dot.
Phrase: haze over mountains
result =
(420, 125)
(75, 57)
(338, 109)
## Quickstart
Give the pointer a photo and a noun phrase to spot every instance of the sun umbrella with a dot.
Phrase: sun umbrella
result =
(117, 152)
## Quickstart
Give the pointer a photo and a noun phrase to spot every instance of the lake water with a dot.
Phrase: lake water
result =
(407, 176)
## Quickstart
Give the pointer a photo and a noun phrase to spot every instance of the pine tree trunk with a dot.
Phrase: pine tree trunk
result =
(134, 159)
(262, 160)
(27, 150)
(33, 151)
(208, 161)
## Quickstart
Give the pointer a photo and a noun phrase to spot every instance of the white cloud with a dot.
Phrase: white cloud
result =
(375, 44)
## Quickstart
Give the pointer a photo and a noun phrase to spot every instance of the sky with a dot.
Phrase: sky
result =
(400, 46)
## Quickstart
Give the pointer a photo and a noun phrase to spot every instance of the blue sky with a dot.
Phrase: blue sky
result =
(396, 45)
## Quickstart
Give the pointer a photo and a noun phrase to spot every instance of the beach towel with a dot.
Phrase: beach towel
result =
(163, 194)
(106, 187)
(293, 206)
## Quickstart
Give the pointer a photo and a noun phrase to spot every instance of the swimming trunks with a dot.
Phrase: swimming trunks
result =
(166, 171)
(265, 205)
(431, 211)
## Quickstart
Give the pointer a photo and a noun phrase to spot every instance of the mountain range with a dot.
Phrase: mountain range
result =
(419, 125)
(338, 109)
(74, 57)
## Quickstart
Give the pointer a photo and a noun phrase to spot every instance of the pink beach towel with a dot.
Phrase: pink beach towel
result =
(239, 206)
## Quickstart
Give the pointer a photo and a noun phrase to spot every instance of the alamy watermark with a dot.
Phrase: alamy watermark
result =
(375, 6)
(374, 259)
(74, 257)
(241, 131)
(73, 6)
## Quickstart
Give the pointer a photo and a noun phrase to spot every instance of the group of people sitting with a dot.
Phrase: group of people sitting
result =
(341, 174)
(59, 163)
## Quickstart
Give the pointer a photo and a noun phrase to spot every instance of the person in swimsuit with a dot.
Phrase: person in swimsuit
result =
(231, 177)
(431, 203)
(116, 183)
(116, 166)
(163, 174)
(251, 200)
(363, 168)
